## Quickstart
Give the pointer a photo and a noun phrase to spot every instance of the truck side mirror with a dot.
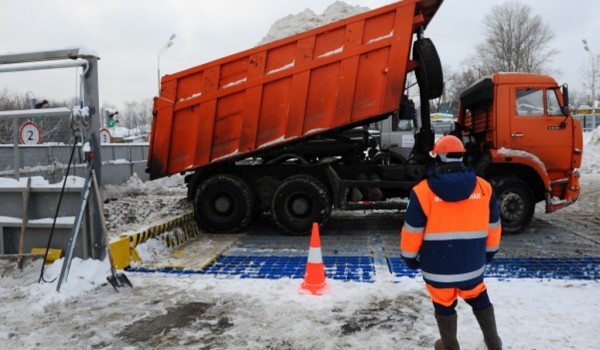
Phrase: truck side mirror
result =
(565, 93)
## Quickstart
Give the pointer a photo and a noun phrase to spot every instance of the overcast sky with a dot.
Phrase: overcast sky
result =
(128, 34)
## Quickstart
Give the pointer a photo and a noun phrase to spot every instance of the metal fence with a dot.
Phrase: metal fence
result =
(589, 122)
(120, 161)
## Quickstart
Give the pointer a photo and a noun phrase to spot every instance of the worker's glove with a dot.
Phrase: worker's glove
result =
(412, 263)
(489, 256)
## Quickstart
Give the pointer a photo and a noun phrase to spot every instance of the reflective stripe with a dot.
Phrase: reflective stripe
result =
(494, 225)
(492, 249)
(453, 278)
(412, 229)
(409, 255)
(455, 235)
(314, 256)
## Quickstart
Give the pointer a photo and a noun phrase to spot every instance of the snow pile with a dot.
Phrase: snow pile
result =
(306, 20)
(591, 152)
(595, 137)
(84, 276)
(132, 206)
(39, 181)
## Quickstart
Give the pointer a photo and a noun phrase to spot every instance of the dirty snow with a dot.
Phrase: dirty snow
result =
(202, 312)
(259, 314)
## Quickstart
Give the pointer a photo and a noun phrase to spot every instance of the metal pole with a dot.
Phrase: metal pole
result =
(92, 134)
(160, 53)
(593, 79)
(158, 71)
(16, 160)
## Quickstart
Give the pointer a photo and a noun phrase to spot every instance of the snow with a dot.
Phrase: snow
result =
(523, 154)
(40, 182)
(306, 20)
(332, 52)
(287, 66)
(391, 34)
(272, 313)
(259, 314)
(234, 83)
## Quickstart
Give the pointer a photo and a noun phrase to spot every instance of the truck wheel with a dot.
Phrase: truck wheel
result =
(298, 202)
(516, 203)
(388, 158)
(224, 203)
(429, 71)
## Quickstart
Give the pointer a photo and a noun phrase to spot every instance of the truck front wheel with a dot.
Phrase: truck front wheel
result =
(298, 202)
(516, 202)
(223, 203)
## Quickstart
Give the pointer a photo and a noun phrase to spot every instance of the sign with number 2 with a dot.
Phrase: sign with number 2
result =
(30, 134)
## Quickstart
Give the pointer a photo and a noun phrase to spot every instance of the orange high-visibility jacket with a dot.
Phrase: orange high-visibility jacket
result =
(450, 232)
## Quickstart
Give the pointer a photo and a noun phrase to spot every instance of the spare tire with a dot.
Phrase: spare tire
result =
(429, 71)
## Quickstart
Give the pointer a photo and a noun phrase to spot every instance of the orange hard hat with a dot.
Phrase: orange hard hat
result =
(448, 144)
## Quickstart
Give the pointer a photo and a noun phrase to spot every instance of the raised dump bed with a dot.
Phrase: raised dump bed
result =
(334, 76)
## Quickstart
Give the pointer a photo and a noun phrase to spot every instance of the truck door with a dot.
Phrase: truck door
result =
(539, 127)
(398, 136)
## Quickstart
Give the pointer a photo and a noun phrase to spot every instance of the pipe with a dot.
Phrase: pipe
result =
(37, 66)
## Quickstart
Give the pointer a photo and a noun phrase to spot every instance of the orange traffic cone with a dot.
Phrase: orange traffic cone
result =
(314, 278)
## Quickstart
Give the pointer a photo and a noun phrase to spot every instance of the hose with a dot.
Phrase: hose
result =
(62, 192)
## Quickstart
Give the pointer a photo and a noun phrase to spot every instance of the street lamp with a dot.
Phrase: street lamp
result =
(160, 53)
(594, 70)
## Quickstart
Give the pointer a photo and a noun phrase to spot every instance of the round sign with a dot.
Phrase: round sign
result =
(105, 136)
(30, 134)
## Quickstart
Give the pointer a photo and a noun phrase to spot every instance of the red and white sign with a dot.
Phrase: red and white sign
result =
(30, 134)
(105, 136)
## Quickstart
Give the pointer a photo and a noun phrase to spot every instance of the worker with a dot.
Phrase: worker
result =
(451, 230)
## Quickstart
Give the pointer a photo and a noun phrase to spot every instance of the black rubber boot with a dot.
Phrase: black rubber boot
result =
(447, 327)
(487, 322)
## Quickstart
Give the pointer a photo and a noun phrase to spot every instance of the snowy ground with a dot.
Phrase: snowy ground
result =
(203, 312)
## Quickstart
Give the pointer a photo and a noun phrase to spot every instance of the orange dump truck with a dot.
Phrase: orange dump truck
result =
(283, 128)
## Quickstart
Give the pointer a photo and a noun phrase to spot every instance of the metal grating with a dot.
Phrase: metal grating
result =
(587, 268)
(358, 269)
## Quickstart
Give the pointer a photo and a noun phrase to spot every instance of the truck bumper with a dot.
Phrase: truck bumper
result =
(571, 194)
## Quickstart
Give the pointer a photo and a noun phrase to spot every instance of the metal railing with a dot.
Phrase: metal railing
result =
(589, 122)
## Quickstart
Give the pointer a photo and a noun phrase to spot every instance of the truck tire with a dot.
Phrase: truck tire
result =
(223, 203)
(516, 202)
(298, 202)
(429, 71)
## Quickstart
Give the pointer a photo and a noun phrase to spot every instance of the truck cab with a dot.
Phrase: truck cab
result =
(520, 135)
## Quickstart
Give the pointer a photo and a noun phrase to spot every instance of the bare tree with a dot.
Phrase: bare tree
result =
(590, 72)
(54, 129)
(516, 41)
(457, 81)
(138, 116)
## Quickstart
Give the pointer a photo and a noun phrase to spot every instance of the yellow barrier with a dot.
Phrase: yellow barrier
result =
(120, 251)
(53, 253)
(123, 249)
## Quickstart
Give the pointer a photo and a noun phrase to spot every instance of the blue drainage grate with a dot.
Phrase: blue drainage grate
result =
(358, 269)
(399, 268)
(554, 268)
(362, 269)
